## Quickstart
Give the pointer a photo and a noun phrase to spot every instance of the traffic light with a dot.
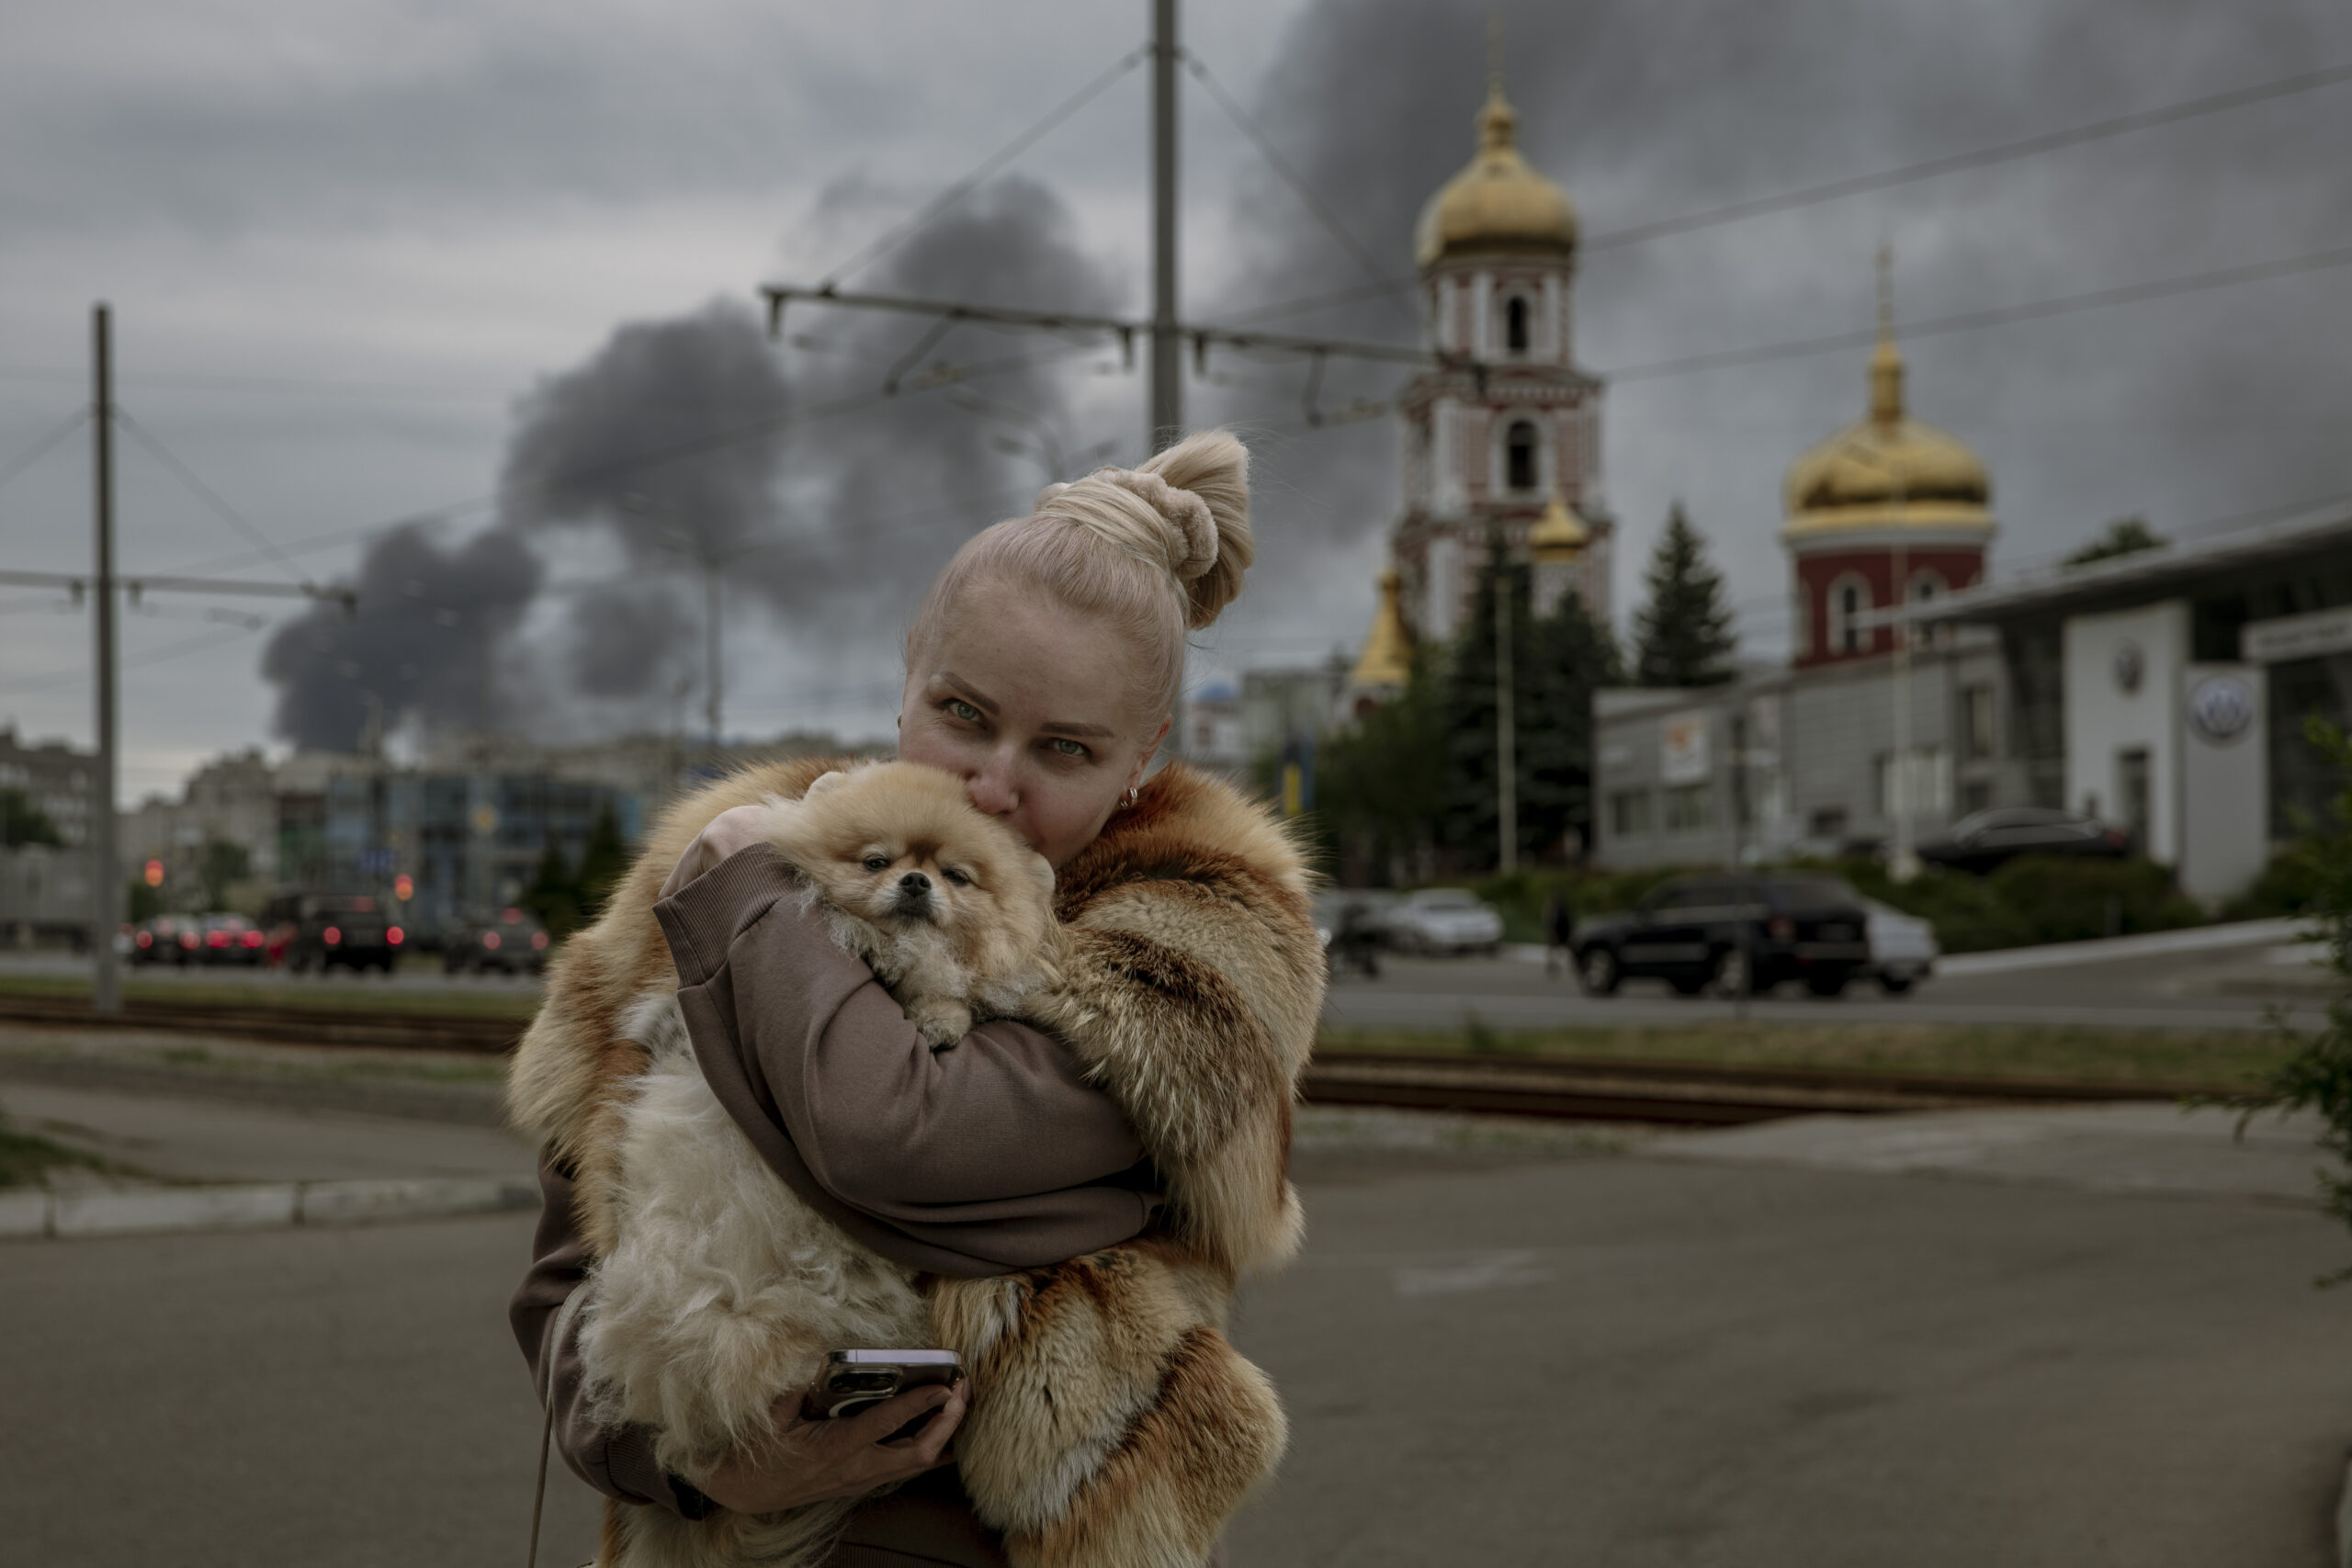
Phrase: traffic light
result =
(403, 887)
(154, 874)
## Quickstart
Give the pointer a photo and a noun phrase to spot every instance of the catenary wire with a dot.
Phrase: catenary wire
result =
(1883, 179)
(32, 454)
(896, 235)
(236, 520)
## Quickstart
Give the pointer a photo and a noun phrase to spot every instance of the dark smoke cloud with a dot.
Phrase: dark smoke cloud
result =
(2187, 409)
(693, 440)
(426, 640)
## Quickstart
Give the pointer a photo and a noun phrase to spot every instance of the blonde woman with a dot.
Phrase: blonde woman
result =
(1082, 1187)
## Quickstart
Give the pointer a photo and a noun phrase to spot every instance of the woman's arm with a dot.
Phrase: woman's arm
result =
(999, 1143)
(805, 1462)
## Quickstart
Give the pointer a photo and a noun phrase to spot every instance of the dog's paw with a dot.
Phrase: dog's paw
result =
(941, 1021)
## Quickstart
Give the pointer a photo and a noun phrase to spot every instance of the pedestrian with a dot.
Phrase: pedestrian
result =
(1083, 1190)
(1559, 932)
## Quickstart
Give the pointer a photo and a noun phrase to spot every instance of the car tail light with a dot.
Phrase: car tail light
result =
(538, 941)
(393, 935)
(188, 939)
(1781, 927)
(334, 936)
(489, 939)
(216, 939)
(2116, 838)
(146, 939)
(253, 939)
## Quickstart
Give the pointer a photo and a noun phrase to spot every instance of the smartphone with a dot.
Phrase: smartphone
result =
(851, 1381)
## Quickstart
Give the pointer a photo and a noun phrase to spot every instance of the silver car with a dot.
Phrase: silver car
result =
(1903, 947)
(1444, 920)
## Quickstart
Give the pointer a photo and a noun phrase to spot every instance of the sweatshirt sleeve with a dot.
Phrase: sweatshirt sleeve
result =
(998, 1141)
(618, 1462)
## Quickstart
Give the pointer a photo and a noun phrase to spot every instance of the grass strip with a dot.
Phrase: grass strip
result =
(2074, 1053)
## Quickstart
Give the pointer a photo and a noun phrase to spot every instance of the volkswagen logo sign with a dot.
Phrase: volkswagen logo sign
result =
(2221, 708)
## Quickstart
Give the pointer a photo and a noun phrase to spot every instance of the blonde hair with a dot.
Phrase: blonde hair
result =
(1157, 551)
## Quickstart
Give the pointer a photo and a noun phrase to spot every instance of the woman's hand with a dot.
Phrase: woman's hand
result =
(808, 1461)
(737, 828)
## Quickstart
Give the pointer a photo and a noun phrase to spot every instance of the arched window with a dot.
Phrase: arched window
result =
(1850, 599)
(1518, 455)
(1515, 335)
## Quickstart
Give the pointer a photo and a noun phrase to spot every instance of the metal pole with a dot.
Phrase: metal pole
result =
(711, 585)
(105, 985)
(1906, 862)
(1166, 343)
(1506, 726)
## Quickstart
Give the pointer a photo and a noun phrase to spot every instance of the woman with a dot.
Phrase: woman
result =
(1085, 1186)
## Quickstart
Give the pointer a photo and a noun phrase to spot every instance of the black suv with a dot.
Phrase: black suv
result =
(1733, 934)
(315, 931)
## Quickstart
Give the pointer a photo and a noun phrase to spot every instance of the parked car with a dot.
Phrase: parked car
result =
(166, 939)
(1734, 933)
(1981, 842)
(1904, 949)
(319, 931)
(1443, 919)
(228, 939)
(513, 943)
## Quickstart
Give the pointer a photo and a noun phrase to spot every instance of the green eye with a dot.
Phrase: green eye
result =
(962, 710)
(1069, 748)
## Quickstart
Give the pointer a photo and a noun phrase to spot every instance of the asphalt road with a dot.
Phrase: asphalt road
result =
(1773, 1346)
(2224, 987)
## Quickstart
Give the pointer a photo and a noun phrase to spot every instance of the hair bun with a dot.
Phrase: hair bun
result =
(1187, 510)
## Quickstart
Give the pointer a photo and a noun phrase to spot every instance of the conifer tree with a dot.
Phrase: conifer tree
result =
(1683, 635)
(604, 861)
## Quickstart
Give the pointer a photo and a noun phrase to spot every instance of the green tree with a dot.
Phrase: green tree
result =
(1377, 785)
(554, 893)
(1682, 635)
(603, 862)
(23, 822)
(2125, 536)
(1555, 663)
(2319, 1076)
(221, 864)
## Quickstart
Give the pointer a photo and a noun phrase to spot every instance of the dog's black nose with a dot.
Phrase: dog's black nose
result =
(914, 885)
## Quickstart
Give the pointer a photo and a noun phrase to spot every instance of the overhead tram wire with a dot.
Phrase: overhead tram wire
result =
(32, 454)
(236, 520)
(1883, 179)
(789, 423)
(893, 237)
(1391, 288)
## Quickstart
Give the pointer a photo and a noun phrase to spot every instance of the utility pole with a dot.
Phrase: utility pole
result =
(1167, 339)
(106, 982)
(1506, 726)
(712, 588)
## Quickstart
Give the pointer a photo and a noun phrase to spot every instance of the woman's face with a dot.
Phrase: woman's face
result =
(1028, 704)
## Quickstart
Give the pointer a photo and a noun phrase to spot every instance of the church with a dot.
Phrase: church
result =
(1511, 448)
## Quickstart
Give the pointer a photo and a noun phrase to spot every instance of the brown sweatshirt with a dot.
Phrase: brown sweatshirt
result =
(992, 1156)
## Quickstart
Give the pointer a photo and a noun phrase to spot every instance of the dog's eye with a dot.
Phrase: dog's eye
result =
(877, 863)
(957, 878)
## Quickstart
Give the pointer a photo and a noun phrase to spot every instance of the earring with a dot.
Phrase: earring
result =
(1129, 798)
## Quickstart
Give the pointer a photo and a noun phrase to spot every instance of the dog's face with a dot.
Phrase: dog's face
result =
(900, 847)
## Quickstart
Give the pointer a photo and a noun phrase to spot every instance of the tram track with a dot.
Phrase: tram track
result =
(1670, 1093)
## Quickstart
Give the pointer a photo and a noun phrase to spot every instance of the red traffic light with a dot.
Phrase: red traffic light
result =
(154, 874)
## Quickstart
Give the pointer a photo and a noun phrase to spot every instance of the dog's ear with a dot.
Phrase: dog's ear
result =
(1042, 870)
(824, 782)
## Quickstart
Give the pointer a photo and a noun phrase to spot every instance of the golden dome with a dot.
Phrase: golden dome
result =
(1559, 534)
(1888, 468)
(1387, 657)
(1499, 203)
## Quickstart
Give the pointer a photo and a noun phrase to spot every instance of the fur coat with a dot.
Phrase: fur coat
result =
(1112, 1425)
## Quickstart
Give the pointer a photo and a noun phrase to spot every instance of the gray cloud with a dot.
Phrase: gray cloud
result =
(2186, 410)
(691, 440)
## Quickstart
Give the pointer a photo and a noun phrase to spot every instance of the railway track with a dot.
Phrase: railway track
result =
(1694, 1094)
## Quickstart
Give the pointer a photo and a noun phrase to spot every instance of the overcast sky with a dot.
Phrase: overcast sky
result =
(372, 260)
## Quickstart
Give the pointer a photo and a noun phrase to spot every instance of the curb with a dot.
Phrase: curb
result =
(258, 1206)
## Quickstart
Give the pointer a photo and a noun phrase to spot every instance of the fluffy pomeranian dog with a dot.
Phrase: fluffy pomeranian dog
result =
(726, 1290)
